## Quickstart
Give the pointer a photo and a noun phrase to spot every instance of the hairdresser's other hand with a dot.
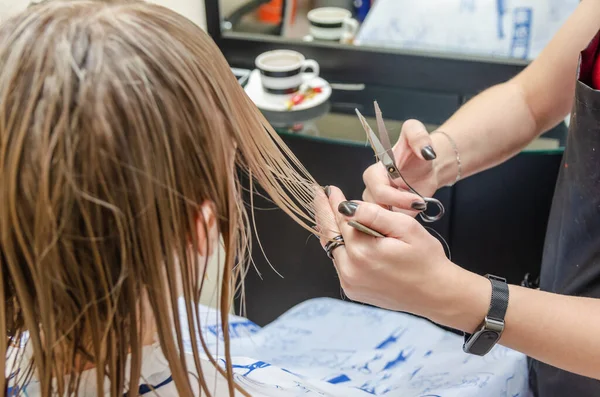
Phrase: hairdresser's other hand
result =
(405, 271)
(414, 154)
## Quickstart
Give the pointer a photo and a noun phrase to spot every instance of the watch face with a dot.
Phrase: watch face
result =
(480, 344)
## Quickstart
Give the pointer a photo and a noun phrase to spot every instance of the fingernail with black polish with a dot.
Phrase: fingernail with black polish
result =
(347, 208)
(327, 190)
(428, 153)
(418, 205)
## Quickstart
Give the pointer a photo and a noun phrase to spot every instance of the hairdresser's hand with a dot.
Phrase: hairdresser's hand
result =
(414, 154)
(405, 271)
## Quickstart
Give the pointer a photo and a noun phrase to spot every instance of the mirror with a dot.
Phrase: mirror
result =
(510, 29)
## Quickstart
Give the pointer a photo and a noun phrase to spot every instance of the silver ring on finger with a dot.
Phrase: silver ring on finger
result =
(336, 242)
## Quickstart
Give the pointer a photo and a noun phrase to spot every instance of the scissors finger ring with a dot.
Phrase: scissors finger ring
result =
(435, 217)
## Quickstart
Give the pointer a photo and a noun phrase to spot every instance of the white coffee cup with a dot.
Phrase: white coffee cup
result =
(332, 23)
(282, 72)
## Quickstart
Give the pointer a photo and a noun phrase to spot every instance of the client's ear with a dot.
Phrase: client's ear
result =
(207, 228)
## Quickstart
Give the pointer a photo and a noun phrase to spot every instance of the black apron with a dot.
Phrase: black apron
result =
(571, 260)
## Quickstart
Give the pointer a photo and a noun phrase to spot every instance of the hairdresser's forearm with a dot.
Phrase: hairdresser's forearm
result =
(501, 121)
(556, 329)
(488, 130)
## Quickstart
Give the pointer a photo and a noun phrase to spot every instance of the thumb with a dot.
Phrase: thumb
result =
(417, 139)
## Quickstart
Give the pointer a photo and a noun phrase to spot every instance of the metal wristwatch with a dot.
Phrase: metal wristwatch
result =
(488, 334)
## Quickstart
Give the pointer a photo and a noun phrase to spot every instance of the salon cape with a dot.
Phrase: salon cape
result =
(156, 376)
(328, 347)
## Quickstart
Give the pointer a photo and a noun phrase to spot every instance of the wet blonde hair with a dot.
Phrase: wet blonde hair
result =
(118, 119)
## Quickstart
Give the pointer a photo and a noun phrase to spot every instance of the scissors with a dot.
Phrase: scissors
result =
(383, 150)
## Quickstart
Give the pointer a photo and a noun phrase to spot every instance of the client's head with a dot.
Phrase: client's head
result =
(121, 130)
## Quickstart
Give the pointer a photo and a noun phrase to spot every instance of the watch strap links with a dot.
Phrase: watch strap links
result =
(499, 301)
(493, 322)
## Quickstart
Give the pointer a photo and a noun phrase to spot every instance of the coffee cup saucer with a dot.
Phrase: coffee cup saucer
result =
(277, 103)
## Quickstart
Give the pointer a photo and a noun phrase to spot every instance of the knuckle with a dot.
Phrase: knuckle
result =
(362, 255)
(357, 253)
(416, 133)
(375, 194)
(412, 225)
(412, 125)
(352, 251)
(369, 213)
(365, 195)
(343, 282)
(368, 174)
(378, 192)
(375, 213)
(350, 293)
(348, 275)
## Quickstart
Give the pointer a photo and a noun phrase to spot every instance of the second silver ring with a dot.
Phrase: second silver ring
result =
(336, 242)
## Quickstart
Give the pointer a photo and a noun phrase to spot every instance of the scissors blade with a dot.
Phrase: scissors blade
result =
(383, 133)
(380, 151)
(388, 160)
